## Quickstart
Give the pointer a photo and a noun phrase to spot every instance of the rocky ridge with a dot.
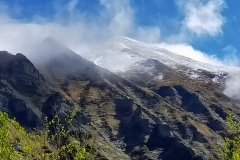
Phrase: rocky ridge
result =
(148, 112)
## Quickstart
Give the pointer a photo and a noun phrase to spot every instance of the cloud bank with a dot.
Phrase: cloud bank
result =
(73, 27)
(232, 86)
(231, 56)
(188, 51)
(81, 32)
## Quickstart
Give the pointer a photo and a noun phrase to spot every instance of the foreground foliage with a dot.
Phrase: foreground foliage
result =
(231, 147)
(17, 144)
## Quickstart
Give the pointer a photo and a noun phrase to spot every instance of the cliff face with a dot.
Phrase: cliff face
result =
(20, 84)
(18, 71)
(158, 113)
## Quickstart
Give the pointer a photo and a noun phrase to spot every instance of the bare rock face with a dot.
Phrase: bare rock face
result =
(21, 87)
(17, 107)
(20, 73)
(151, 111)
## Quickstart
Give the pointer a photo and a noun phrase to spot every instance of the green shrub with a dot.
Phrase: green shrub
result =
(17, 144)
(231, 147)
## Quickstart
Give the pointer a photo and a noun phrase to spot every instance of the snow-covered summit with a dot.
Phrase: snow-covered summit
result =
(122, 52)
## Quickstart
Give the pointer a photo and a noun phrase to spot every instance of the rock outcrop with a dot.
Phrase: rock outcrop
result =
(157, 113)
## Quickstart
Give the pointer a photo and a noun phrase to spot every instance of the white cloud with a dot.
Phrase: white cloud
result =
(120, 17)
(149, 34)
(231, 57)
(71, 5)
(80, 34)
(232, 86)
(184, 36)
(69, 26)
(73, 28)
(203, 18)
(188, 51)
(122, 20)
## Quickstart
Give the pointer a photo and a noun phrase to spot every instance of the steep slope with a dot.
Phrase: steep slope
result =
(26, 77)
(150, 111)
(21, 87)
(56, 61)
(155, 113)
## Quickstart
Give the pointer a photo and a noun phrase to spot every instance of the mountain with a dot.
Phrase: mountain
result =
(152, 108)
(21, 86)
(122, 54)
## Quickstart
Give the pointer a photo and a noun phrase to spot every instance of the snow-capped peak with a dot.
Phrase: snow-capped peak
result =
(122, 52)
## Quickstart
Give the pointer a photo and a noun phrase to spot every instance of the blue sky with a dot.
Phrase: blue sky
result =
(198, 27)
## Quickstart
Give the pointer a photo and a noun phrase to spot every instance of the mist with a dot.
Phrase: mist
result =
(83, 33)
(232, 86)
(74, 29)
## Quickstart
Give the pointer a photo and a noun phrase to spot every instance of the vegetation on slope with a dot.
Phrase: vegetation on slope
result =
(231, 147)
(16, 143)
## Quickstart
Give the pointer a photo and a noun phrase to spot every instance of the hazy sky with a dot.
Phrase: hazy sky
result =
(205, 30)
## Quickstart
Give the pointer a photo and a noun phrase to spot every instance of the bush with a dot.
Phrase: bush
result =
(17, 144)
(231, 147)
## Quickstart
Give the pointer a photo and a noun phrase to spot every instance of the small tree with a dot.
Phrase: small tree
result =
(17, 144)
(231, 147)
(7, 150)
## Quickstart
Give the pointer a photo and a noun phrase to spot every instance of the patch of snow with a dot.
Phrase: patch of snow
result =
(121, 53)
(215, 79)
(194, 76)
(159, 77)
(98, 60)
